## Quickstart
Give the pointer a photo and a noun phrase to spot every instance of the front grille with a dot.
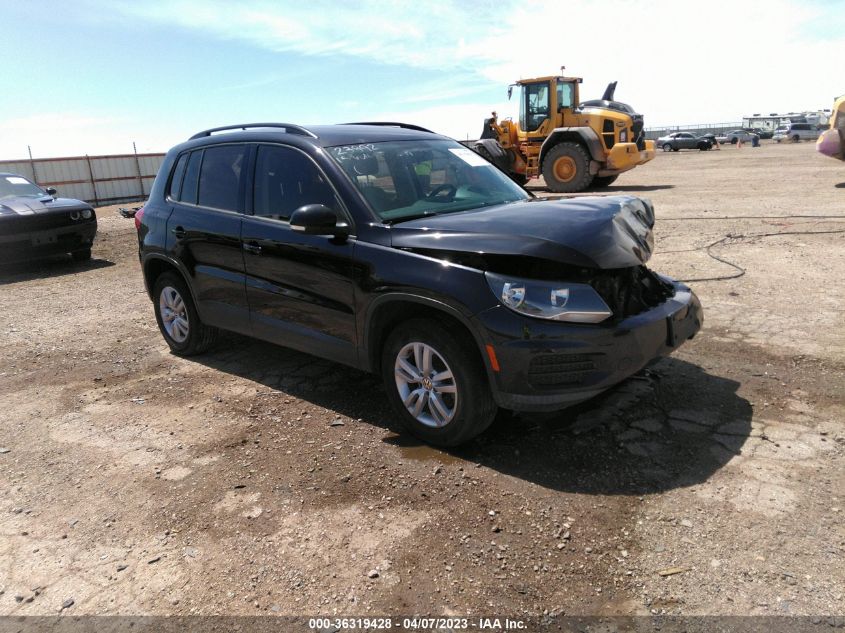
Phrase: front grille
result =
(608, 133)
(38, 222)
(630, 291)
(552, 370)
(639, 135)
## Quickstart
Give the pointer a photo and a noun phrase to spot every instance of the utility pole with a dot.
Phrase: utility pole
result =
(32, 165)
(138, 167)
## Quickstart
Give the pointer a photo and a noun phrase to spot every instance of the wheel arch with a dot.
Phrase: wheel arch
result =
(156, 265)
(585, 136)
(388, 311)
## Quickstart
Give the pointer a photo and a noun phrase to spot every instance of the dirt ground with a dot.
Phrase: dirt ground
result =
(257, 480)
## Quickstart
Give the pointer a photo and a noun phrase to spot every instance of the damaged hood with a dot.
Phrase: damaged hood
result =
(38, 206)
(592, 232)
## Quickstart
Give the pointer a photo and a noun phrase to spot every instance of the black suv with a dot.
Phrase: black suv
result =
(395, 250)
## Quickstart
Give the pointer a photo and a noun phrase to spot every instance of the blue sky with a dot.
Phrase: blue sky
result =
(92, 76)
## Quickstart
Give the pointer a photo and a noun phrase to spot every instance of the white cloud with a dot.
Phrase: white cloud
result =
(676, 62)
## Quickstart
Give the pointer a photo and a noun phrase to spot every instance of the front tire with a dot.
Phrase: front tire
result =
(82, 255)
(604, 181)
(177, 317)
(436, 383)
(566, 168)
(667, 147)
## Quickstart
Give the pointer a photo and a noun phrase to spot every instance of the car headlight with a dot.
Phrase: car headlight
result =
(87, 213)
(553, 300)
(623, 136)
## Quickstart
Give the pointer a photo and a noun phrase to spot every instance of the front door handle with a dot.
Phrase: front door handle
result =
(178, 231)
(252, 247)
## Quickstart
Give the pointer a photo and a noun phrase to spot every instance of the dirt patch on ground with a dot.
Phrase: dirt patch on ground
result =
(255, 479)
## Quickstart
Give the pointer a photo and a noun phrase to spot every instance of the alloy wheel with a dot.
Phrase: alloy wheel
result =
(174, 314)
(426, 384)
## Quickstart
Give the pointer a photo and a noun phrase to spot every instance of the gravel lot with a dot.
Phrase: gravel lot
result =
(258, 480)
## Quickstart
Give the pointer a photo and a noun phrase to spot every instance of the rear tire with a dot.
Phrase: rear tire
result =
(566, 168)
(177, 317)
(449, 410)
(519, 179)
(703, 147)
(82, 255)
(604, 181)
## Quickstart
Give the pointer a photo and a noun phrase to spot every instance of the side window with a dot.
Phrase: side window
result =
(176, 177)
(189, 183)
(220, 177)
(564, 94)
(286, 179)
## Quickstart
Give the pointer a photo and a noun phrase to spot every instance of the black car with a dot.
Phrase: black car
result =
(34, 224)
(398, 251)
(683, 140)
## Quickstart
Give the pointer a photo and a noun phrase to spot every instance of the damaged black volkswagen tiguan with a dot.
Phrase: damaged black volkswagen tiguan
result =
(398, 251)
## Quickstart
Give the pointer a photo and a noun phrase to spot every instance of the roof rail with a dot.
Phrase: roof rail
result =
(290, 128)
(407, 126)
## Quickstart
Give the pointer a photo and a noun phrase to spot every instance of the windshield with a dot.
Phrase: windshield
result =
(18, 186)
(403, 180)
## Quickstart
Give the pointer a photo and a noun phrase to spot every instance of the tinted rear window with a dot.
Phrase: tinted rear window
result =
(189, 184)
(220, 177)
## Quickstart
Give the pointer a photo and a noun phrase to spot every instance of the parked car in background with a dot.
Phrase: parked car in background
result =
(763, 134)
(796, 132)
(735, 136)
(455, 285)
(33, 223)
(683, 140)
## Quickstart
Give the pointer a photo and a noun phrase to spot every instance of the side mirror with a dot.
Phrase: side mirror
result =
(317, 219)
(51, 191)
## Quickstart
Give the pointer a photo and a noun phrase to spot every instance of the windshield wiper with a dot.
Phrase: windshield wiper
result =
(408, 218)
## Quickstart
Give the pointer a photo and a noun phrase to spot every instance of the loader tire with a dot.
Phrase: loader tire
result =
(566, 168)
(604, 181)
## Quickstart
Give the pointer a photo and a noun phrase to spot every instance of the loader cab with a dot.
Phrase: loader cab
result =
(546, 98)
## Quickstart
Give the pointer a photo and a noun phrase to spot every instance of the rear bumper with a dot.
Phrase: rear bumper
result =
(625, 156)
(32, 244)
(548, 365)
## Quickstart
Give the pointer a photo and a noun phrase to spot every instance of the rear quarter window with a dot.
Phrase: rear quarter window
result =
(192, 172)
(176, 177)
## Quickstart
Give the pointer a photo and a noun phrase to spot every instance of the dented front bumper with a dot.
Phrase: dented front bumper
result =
(549, 365)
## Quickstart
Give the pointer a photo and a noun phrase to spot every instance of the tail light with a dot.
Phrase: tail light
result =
(139, 215)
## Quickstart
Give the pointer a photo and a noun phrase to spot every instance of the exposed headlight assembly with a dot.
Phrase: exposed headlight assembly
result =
(552, 300)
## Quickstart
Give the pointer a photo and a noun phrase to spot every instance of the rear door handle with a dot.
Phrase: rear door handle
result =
(178, 231)
(253, 248)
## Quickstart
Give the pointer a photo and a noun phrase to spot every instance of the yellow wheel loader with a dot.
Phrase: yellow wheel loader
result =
(832, 141)
(572, 145)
